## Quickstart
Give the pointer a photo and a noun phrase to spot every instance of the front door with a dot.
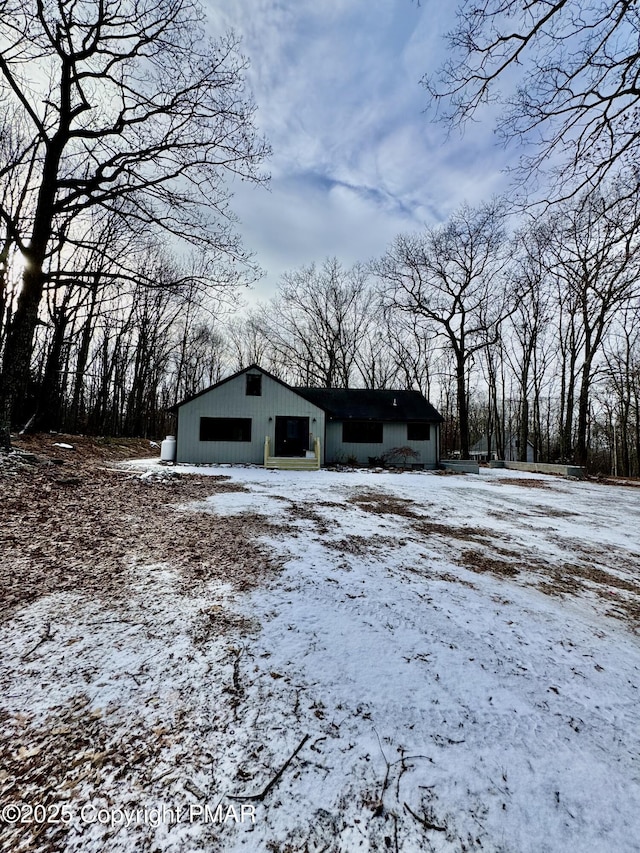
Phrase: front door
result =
(292, 436)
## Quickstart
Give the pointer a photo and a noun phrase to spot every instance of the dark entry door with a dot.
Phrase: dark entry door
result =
(292, 436)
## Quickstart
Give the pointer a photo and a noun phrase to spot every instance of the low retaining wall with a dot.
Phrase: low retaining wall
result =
(463, 466)
(541, 468)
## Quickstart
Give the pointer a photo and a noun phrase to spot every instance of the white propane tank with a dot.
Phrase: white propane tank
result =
(168, 449)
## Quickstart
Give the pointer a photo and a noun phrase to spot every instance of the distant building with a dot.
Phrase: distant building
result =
(254, 417)
(480, 450)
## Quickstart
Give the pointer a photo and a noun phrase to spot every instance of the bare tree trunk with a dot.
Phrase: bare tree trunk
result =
(19, 343)
(82, 359)
(524, 429)
(18, 350)
(463, 406)
(49, 412)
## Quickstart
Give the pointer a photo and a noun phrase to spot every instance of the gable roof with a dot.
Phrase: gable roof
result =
(364, 404)
(347, 403)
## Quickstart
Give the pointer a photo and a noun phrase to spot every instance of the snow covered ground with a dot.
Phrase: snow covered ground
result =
(445, 663)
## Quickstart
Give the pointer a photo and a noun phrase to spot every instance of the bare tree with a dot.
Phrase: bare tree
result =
(376, 364)
(570, 70)
(451, 277)
(316, 322)
(528, 322)
(596, 259)
(411, 343)
(622, 356)
(13, 193)
(201, 349)
(248, 340)
(493, 364)
(122, 99)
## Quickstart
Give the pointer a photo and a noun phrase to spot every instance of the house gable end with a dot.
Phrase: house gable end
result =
(228, 422)
(251, 368)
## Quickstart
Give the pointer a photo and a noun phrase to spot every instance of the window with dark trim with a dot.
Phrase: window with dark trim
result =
(418, 432)
(225, 429)
(254, 385)
(362, 432)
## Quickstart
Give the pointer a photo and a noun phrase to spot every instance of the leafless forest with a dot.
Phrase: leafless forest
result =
(122, 278)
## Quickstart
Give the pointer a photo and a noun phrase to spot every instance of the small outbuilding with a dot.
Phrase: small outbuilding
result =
(254, 417)
(480, 450)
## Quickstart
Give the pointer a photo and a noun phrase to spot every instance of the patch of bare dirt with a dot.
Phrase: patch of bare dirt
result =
(363, 545)
(621, 595)
(304, 512)
(430, 528)
(76, 749)
(631, 482)
(435, 575)
(559, 580)
(619, 558)
(85, 447)
(379, 503)
(77, 527)
(551, 512)
(622, 608)
(599, 576)
(481, 563)
(525, 482)
(447, 576)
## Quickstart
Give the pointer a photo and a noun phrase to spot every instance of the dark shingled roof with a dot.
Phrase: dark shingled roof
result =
(348, 403)
(360, 404)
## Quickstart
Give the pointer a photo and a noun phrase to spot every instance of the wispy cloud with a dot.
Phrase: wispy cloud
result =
(355, 160)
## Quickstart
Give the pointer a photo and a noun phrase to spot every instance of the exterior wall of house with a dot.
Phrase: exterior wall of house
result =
(393, 435)
(229, 400)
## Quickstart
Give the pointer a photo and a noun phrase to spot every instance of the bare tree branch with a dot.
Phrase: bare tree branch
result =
(570, 78)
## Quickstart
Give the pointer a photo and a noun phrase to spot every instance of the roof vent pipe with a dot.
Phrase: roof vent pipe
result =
(395, 402)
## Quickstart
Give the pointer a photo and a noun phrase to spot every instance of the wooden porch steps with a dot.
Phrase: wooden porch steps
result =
(292, 463)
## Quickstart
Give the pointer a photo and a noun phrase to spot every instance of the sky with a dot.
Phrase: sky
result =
(355, 160)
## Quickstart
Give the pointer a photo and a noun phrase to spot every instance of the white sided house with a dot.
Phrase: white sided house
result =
(254, 417)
